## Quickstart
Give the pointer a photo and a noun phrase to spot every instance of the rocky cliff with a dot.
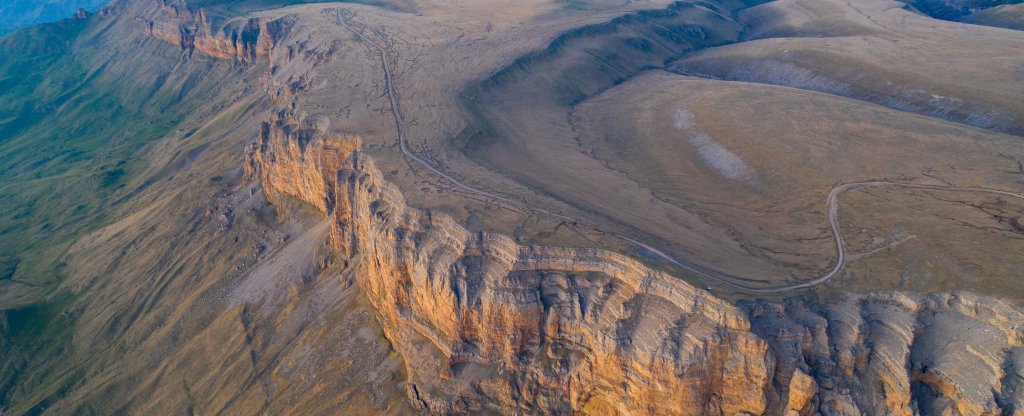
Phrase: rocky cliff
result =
(295, 158)
(242, 40)
(202, 307)
(486, 325)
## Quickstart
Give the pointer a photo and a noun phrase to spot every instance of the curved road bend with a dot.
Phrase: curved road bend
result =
(723, 278)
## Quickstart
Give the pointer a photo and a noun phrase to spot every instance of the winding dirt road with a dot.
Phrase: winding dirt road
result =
(833, 221)
(726, 279)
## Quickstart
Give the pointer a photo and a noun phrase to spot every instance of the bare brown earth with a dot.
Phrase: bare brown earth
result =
(450, 207)
(881, 53)
(488, 326)
(777, 215)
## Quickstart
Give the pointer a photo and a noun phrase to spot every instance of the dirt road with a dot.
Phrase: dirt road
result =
(345, 20)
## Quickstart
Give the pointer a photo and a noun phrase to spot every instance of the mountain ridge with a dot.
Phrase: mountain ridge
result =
(263, 254)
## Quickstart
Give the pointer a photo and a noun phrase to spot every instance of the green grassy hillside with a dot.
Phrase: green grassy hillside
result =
(85, 122)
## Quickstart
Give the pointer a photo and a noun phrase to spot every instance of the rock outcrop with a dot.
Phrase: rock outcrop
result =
(294, 157)
(482, 324)
(240, 40)
(487, 325)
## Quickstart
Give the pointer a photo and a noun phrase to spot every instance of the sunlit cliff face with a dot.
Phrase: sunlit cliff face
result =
(484, 324)
(242, 41)
(302, 280)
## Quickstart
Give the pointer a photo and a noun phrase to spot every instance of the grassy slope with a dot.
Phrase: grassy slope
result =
(77, 134)
(120, 163)
(796, 145)
(1009, 16)
(522, 113)
(890, 60)
(71, 132)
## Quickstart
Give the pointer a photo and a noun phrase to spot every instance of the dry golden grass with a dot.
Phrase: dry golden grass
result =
(795, 146)
(729, 175)
(882, 53)
(616, 162)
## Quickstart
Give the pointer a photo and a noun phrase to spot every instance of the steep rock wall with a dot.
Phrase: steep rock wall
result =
(293, 157)
(239, 40)
(487, 325)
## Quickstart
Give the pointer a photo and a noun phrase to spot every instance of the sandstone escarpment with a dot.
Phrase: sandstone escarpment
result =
(542, 329)
(240, 40)
(202, 300)
(243, 41)
(486, 325)
(295, 158)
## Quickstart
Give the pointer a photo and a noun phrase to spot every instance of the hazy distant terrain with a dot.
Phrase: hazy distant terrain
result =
(956, 9)
(16, 14)
(1007, 14)
(1010, 16)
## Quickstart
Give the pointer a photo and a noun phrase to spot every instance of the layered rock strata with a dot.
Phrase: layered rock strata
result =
(484, 324)
(487, 325)
(294, 158)
(239, 40)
